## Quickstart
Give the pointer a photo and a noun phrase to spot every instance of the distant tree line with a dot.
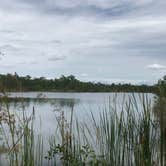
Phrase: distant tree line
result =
(14, 82)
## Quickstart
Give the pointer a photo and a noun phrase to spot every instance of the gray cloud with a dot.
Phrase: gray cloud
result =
(105, 39)
(56, 58)
(93, 7)
(8, 47)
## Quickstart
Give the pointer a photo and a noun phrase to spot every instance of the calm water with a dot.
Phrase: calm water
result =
(48, 107)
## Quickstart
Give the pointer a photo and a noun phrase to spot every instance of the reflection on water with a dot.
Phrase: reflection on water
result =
(55, 103)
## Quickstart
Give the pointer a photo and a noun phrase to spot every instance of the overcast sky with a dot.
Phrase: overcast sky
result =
(96, 40)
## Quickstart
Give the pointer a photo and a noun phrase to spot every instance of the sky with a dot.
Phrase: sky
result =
(95, 40)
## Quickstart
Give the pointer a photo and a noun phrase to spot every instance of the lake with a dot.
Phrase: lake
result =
(48, 107)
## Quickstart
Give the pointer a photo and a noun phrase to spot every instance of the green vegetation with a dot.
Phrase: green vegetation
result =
(132, 136)
(14, 82)
(17, 137)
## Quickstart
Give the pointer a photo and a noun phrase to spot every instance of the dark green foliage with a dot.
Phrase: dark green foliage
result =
(14, 82)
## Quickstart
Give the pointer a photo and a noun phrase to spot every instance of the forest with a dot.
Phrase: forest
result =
(14, 82)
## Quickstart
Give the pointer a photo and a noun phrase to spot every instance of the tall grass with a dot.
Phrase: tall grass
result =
(129, 133)
(17, 136)
(129, 137)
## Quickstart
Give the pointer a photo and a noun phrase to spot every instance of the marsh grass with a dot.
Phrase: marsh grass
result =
(17, 136)
(129, 137)
(126, 133)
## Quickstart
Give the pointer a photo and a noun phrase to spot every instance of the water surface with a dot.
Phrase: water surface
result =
(49, 106)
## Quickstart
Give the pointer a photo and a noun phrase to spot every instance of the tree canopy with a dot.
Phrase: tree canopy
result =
(14, 82)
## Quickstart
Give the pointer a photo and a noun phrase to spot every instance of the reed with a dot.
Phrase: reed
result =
(18, 136)
(126, 139)
(125, 134)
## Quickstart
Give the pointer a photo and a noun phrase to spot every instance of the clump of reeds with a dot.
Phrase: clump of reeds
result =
(132, 136)
(18, 136)
(129, 137)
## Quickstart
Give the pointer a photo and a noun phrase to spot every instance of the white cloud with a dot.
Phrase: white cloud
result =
(84, 74)
(156, 66)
